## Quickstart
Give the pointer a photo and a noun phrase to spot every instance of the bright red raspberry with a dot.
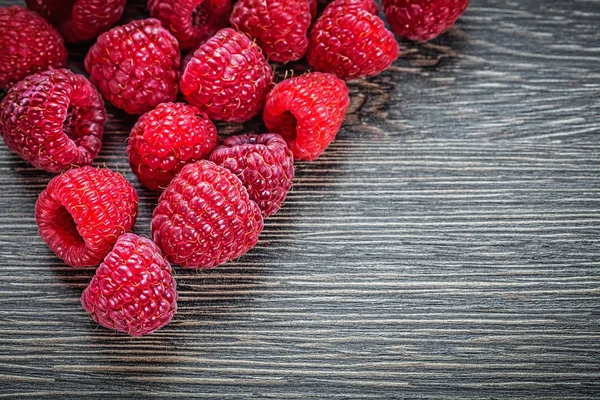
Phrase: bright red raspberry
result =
(133, 290)
(54, 120)
(79, 20)
(228, 77)
(422, 20)
(264, 164)
(346, 5)
(28, 44)
(167, 138)
(351, 42)
(192, 22)
(307, 111)
(135, 66)
(82, 212)
(279, 27)
(205, 217)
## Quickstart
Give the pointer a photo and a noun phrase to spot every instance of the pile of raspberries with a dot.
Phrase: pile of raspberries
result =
(215, 196)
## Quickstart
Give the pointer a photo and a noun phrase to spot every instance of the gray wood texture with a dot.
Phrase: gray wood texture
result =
(445, 246)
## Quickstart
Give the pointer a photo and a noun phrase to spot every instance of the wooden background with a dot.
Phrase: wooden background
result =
(445, 246)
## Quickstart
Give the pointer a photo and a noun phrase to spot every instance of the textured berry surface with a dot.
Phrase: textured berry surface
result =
(133, 290)
(347, 5)
(167, 138)
(228, 77)
(205, 217)
(28, 44)
(422, 20)
(351, 42)
(307, 111)
(192, 22)
(54, 120)
(135, 66)
(279, 27)
(79, 20)
(264, 164)
(82, 212)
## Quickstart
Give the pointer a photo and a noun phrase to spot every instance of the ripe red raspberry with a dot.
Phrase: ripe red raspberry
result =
(82, 212)
(28, 44)
(346, 5)
(167, 138)
(228, 77)
(54, 120)
(79, 20)
(192, 22)
(264, 164)
(422, 20)
(133, 290)
(279, 28)
(135, 66)
(351, 42)
(307, 111)
(205, 218)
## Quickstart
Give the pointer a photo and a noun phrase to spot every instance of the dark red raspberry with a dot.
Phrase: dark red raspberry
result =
(422, 20)
(167, 138)
(205, 218)
(192, 22)
(228, 77)
(135, 66)
(279, 27)
(82, 212)
(28, 44)
(307, 111)
(79, 20)
(264, 164)
(313, 8)
(133, 290)
(54, 120)
(351, 42)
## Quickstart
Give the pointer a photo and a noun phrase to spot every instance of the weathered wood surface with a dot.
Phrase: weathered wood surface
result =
(445, 246)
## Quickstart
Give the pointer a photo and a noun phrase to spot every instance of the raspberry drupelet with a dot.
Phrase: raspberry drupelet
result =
(82, 212)
(135, 66)
(53, 119)
(264, 164)
(167, 138)
(205, 217)
(133, 290)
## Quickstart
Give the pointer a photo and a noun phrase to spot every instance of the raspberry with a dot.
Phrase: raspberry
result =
(205, 218)
(82, 212)
(264, 164)
(346, 5)
(165, 139)
(351, 42)
(133, 290)
(79, 20)
(307, 111)
(192, 22)
(228, 77)
(54, 120)
(135, 66)
(279, 28)
(28, 44)
(422, 20)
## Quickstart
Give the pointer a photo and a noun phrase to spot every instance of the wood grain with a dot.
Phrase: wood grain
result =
(445, 246)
